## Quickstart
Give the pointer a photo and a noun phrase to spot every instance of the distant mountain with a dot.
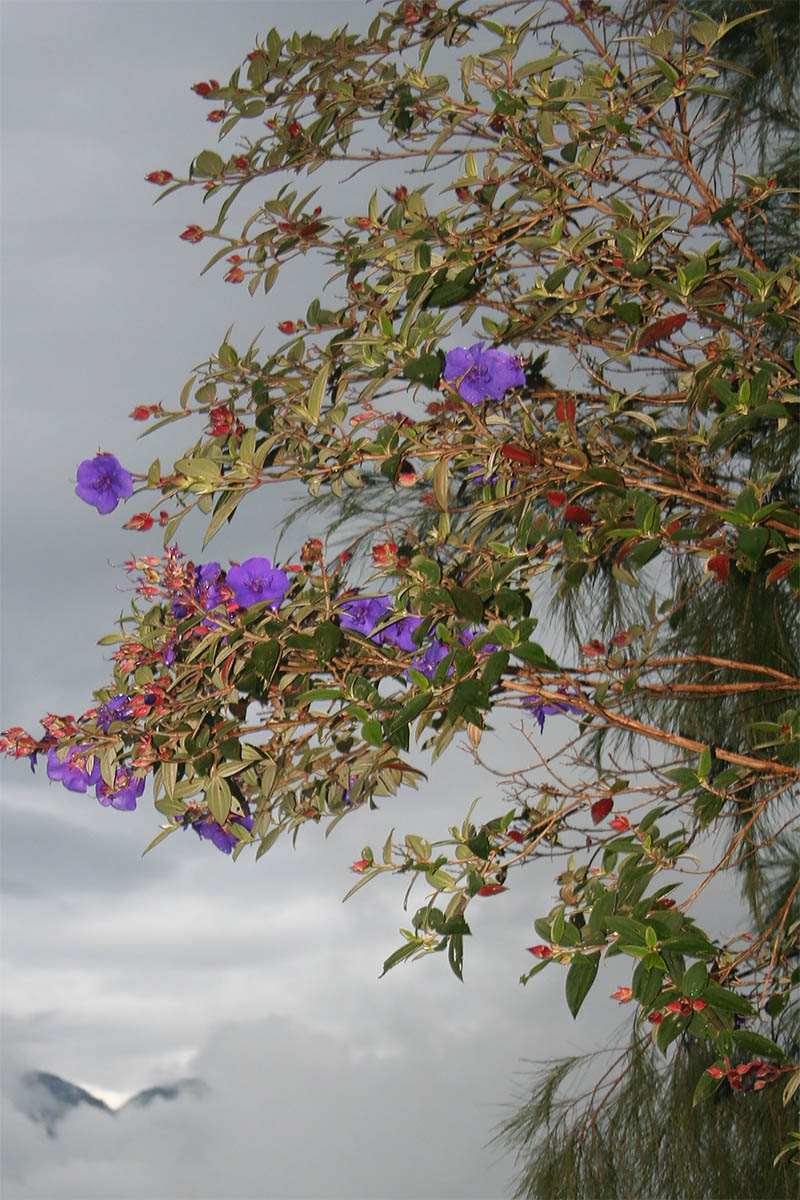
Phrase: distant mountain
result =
(167, 1091)
(47, 1098)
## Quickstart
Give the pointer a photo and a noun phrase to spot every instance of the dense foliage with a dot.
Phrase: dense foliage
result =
(553, 194)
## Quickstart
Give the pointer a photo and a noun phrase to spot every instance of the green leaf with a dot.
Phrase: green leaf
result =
(218, 799)
(695, 980)
(580, 977)
(426, 369)
(756, 1043)
(316, 392)
(467, 604)
(707, 1085)
(208, 162)
(399, 955)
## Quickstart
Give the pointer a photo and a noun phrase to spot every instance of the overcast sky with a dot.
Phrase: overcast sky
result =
(122, 972)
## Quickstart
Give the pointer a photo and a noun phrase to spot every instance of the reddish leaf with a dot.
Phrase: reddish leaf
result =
(556, 498)
(577, 514)
(518, 454)
(719, 565)
(565, 408)
(491, 889)
(601, 808)
(661, 329)
(593, 648)
(780, 571)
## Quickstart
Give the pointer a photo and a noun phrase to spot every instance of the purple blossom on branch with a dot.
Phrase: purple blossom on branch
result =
(73, 771)
(429, 660)
(401, 633)
(220, 835)
(479, 374)
(256, 580)
(103, 482)
(363, 613)
(540, 708)
(115, 709)
(125, 792)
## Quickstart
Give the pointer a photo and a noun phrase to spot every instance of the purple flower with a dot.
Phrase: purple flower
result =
(103, 482)
(400, 633)
(540, 708)
(115, 709)
(467, 636)
(127, 788)
(222, 837)
(482, 477)
(363, 613)
(428, 661)
(205, 590)
(257, 580)
(73, 771)
(479, 374)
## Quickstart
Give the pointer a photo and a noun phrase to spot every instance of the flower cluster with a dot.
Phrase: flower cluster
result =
(77, 775)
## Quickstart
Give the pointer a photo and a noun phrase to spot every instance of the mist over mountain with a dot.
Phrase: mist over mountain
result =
(47, 1099)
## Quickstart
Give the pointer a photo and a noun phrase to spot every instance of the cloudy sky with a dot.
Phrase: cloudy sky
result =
(121, 972)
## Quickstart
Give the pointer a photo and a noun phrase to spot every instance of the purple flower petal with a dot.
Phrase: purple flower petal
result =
(479, 374)
(256, 580)
(103, 482)
(73, 771)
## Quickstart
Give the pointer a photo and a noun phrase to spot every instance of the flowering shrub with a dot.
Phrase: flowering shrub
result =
(653, 484)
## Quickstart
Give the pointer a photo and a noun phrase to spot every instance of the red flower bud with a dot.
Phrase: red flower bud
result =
(406, 476)
(593, 648)
(620, 823)
(463, 194)
(384, 554)
(655, 1017)
(294, 129)
(623, 994)
(556, 498)
(143, 412)
(235, 275)
(139, 521)
(242, 162)
(400, 193)
(515, 835)
(363, 222)
(497, 123)
(193, 233)
(204, 89)
(216, 115)
(286, 326)
(159, 177)
(491, 889)
(540, 951)
(410, 14)
(360, 866)
(565, 408)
